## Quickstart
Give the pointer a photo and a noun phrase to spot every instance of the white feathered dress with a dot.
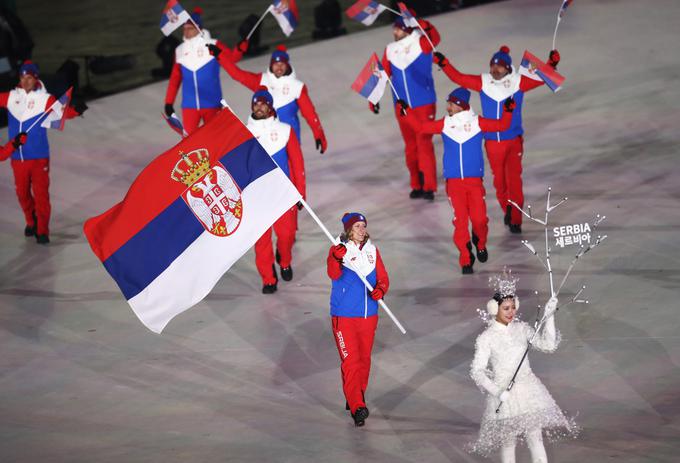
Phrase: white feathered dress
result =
(529, 404)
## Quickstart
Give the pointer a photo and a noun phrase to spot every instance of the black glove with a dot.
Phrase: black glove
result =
(319, 145)
(169, 110)
(19, 140)
(403, 106)
(374, 107)
(299, 206)
(242, 46)
(509, 104)
(214, 50)
(440, 59)
(554, 58)
(80, 107)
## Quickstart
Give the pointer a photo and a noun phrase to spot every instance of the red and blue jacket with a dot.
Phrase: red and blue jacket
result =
(493, 93)
(23, 110)
(198, 72)
(408, 62)
(289, 93)
(349, 295)
(462, 137)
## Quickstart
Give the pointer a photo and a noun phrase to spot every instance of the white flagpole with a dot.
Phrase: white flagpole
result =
(252, 31)
(361, 276)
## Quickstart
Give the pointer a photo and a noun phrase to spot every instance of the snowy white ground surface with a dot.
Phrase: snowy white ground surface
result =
(247, 377)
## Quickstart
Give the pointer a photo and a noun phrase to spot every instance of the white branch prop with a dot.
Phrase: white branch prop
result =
(361, 276)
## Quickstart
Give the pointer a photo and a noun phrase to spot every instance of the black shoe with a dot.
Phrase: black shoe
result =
(467, 269)
(415, 194)
(515, 228)
(42, 239)
(360, 416)
(269, 289)
(482, 254)
(287, 273)
(508, 213)
(29, 231)
(429, 195)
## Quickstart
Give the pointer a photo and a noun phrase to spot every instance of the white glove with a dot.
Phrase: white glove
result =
(503, 397)
(550, 307)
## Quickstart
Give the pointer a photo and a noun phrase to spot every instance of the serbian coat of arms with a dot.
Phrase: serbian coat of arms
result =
(211, 194)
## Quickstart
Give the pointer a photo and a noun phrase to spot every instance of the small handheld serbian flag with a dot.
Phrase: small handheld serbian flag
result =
(406, 15)
(174, 16)
(175, 124)
(563, 8)
(286, 14)
(56, 116)
(537, 69)
(371, 81)
(365, 11)
(188, 217)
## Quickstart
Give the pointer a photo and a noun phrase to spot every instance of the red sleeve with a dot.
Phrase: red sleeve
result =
(249, 79)
(6, 151)
(469, 81)
(431, 31)
(296, 164)
(527, 83)
(173, 84)
(4, 97)
(309, 113)
(233, 54)
(333, 267)
(424, 127)
(382, 280)
(386, 64)
(425, 45)
(496, 125)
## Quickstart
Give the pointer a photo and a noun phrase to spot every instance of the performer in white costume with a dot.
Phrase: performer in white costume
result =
(527, 410)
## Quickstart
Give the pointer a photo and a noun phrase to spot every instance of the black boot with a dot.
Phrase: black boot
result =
(42, 239)
(428, 195)
(269, 289)
(415, 194)
(508, 213)
(30, 230)
(467, 269)
(482, 254)
(287, 273)
(360, 416)
(515, 228)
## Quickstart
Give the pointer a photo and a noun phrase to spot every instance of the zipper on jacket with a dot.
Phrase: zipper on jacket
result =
(198, 104)
(408, 94)
(460, 156)
(498, 116)
(21, 148)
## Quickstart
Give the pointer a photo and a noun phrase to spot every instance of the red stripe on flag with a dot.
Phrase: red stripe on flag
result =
(154, 190)
(365, 74)
(357, 8)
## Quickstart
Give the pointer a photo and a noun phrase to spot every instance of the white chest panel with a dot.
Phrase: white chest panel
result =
(500, 90)
(405, 51)
(193, 53)
(24, 106)
(461, 126)
(271, 133)
(284, 89)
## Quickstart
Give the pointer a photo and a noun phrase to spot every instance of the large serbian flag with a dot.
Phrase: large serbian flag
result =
(286, 14)
(536, 69)
(371, 81)
(188, 217)
(365, 11)
(173, 17)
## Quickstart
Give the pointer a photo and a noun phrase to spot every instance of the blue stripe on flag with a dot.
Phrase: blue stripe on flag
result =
(149, 252)
(370, 84)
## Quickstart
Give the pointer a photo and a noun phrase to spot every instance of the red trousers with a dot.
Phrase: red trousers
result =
(505, 158)
(354, 339)
(285, 238)
(32, 182)
(467, 198)
(191, 118)
(419, 150)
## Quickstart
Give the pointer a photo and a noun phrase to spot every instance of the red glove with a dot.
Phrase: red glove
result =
(374, 107)
(509, 104)
(242, 46)
(339, 251)
(377, 294)
(554, 58)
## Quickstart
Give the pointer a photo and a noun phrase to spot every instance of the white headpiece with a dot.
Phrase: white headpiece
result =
(504, 286)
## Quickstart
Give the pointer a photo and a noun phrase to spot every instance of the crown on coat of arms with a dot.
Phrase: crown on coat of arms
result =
(191, 167)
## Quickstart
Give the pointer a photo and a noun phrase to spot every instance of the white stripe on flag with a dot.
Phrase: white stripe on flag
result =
(193, 274)
(377, 93)
(170, 26)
